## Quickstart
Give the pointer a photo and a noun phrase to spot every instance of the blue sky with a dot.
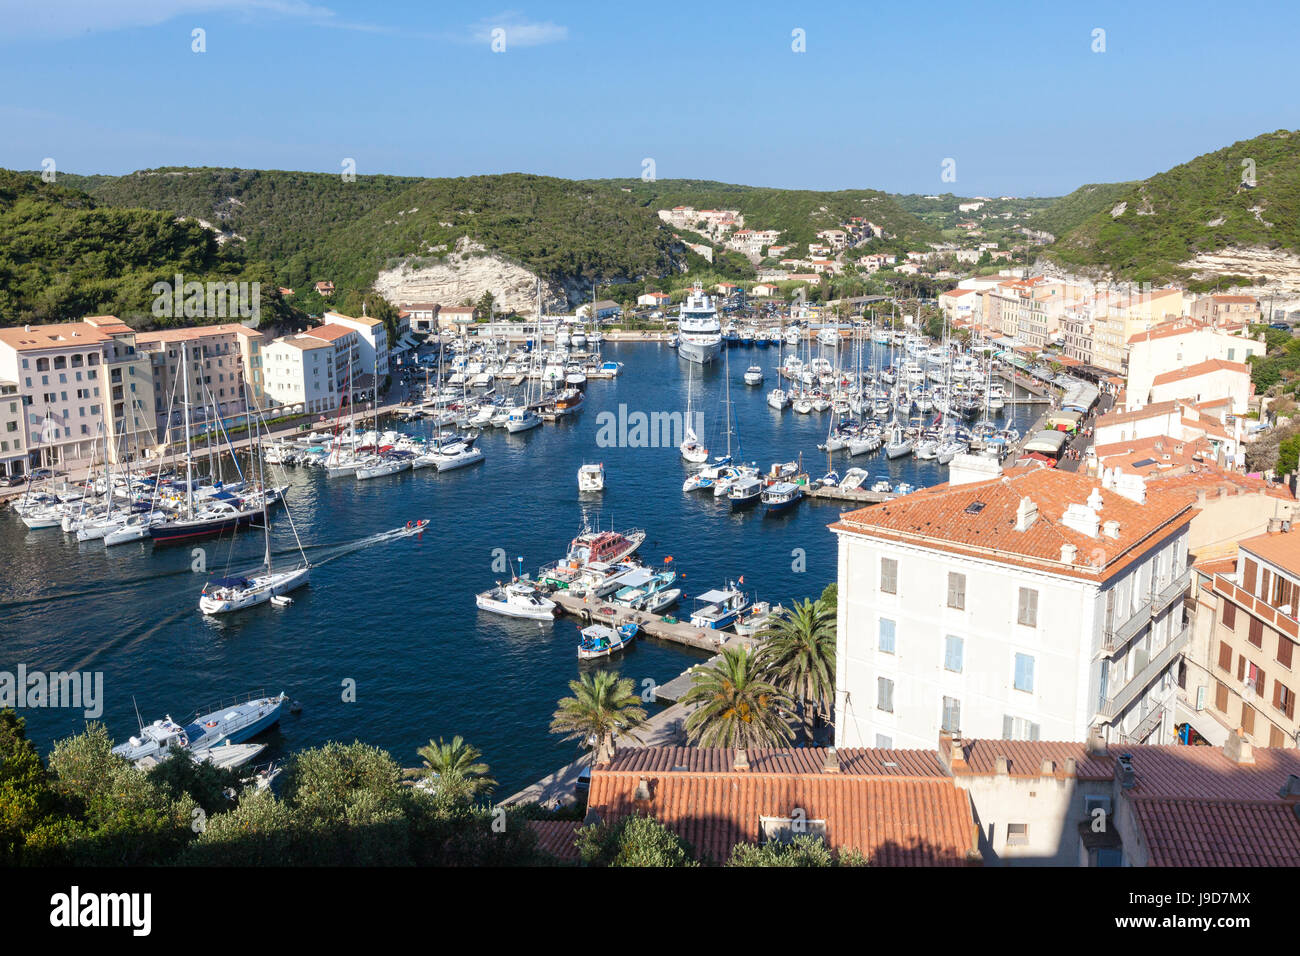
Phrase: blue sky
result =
(881, 96)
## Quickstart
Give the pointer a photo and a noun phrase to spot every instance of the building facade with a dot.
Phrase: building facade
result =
(1058, 612)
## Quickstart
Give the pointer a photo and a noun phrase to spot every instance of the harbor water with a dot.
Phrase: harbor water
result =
(386, 645)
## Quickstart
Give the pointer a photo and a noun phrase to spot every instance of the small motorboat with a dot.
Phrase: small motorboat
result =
(601, 640)
(853, 479)
(591, 478)
(754, 375)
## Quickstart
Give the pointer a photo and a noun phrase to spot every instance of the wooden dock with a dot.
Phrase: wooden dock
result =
(596, 611)
(858, 496)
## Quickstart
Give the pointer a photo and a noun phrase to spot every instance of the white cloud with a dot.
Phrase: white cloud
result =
(518, 31)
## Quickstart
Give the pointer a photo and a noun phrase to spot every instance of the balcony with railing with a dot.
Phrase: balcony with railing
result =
(1151, 608)
(1128, 692)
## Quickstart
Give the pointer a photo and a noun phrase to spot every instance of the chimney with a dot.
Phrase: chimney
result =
(1110, 529)
(1094, 500)
(741, 761)
(956, 753)
(1068, 553)
(1238, 749)
(1071, 767)
(830, 761)
(1274, 525)
(1026, 514)
(642, 794)
(1127, 775)
(1047, 768)
(1001, 766)
(1096, 744)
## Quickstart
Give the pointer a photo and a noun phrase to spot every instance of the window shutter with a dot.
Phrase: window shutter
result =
(1225, 656)
(1284, 650)
(1229, 614)
(1007, 725)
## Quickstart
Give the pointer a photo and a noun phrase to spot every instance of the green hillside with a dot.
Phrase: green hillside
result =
(1073, 210)
(799, 213)
(313, 225)
(63, 255)
(1199, 206)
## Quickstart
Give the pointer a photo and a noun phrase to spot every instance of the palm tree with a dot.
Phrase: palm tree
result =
(602, 706)
(737, 707)
(798, 656)
(454, 769)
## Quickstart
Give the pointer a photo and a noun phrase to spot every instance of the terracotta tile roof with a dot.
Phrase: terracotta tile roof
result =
(896, 820)
(1235, 299)
(1157, 444)
(1216, 482)
(362, 319)
(330, 333)
(1201, 368)
(190, 333)
(1219, 833)
(1281, 548)
(1025, 758)
(1165, 330)
(1150, 411)
(1213, 566)
(61, 335)
(555, 837)
(853, 761)
(978, 519)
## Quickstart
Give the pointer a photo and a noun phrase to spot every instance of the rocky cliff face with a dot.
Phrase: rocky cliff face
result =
(1274, 272)
(466, 274)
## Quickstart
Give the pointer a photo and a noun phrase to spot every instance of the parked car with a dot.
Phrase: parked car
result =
(1281, 326)
(11, 481)
(41, 473)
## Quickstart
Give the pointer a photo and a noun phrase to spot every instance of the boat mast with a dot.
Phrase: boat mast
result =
(189, 464)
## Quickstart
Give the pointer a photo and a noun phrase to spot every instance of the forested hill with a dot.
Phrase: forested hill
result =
(314, 225)
(799, 213)
(1244, 195)
(64, 255)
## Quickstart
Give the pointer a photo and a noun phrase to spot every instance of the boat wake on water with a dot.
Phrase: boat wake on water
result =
(411, 528)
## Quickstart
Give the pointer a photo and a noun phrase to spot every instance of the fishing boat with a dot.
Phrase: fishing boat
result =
(754, 375)
(521, 420)
(235, 723)
(516, 600)
(661, 600)
(749, 623)
(640, 584)
(607, 547)
(601, 640)
(719, 608)
(591, 477)
(780, 497)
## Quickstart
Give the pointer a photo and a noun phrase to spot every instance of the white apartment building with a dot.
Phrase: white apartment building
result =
(1036, 605)
(372, 341)
(300, 372)
(1172, 347)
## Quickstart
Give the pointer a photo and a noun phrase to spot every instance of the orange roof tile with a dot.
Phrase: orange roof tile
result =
(1150, 411)
(556, 838)
(1281, 548)
(942, 518)
(895, 819)
(1201, 368)
(61, 335)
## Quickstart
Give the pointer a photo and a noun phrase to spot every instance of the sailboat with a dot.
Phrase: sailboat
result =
(222, 595)
(692, 449)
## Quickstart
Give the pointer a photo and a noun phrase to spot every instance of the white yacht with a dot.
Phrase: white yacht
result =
(699, 337)
(517, 600)
(754, 375)
(591, 478)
